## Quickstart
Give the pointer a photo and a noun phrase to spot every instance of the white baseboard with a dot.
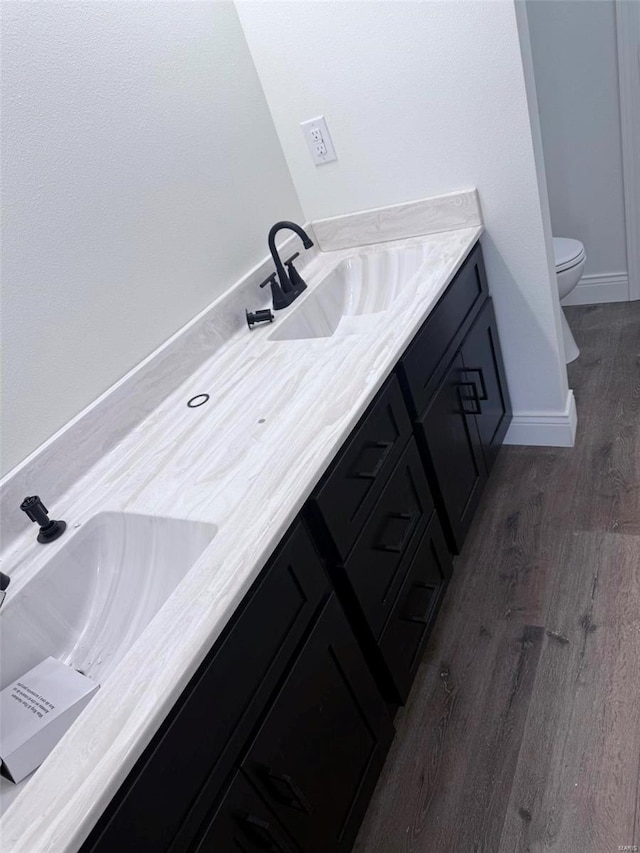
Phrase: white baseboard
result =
(594, 289)
(545, 429)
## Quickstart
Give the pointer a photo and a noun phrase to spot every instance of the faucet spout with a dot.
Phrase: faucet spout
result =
(285, 282)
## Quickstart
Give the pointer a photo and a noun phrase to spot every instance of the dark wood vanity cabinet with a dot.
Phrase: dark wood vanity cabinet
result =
(278, 740)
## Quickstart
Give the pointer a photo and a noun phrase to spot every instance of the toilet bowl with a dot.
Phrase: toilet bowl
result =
(570, 259)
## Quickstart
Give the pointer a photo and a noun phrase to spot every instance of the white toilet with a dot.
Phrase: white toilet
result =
(570, 259)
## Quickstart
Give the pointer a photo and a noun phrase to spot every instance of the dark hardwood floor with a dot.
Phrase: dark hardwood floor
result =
(522, 732)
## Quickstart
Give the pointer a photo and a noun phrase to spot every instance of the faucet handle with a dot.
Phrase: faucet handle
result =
(297, 282)
(280, 299)
(270, 280)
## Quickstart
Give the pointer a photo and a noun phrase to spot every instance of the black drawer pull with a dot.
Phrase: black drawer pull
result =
(296, 798)
(260, 832)
(398, 547)
(474, 398)
(423, 618)
(479, 371)
(385, 446)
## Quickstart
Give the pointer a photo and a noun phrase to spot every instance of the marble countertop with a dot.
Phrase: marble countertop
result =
(246, 461)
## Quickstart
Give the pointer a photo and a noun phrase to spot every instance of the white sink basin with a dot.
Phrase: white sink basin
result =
(360, 285)
(91, 601)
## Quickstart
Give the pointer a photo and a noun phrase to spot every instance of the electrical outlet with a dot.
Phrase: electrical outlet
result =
(319, 140)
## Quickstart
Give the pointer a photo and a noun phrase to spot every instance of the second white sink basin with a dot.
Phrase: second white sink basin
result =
(94, 597)
(360, 285)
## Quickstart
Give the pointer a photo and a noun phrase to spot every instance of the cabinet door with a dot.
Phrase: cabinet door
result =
(320, 749)
(441, 332)
(484, 370)
(242, 823)
(173, 785)
(453, 452)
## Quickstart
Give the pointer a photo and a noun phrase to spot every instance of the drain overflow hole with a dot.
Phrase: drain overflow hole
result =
(198, 400)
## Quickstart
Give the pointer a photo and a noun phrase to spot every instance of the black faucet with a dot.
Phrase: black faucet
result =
(287, 287)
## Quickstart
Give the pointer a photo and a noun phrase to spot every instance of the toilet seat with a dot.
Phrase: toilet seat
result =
(567, 253)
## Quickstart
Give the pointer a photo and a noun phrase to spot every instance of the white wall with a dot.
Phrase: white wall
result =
(575, 64)
(141, 174)
(423, 98)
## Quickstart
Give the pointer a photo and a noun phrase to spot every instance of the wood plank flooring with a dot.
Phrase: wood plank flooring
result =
(522, 731)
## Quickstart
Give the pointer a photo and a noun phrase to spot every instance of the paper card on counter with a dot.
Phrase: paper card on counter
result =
(35, 712)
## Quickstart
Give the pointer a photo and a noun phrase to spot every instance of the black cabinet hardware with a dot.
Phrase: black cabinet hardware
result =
(260, 831)
(373, 473)
(477, 409)
(296, 799)
(397, 547)
(483, 396)
(417, 591)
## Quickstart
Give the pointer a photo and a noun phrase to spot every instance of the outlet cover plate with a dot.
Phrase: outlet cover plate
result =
(319, 140)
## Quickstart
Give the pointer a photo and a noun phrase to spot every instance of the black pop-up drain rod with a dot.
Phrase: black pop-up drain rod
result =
(37, 512)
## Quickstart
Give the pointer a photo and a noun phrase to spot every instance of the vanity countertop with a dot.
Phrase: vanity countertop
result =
(278, 413)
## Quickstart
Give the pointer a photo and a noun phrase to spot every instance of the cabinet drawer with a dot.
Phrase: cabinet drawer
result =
(375, 567)
(198, 743)
(456, 308)
(348, 492)
(409, 624)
